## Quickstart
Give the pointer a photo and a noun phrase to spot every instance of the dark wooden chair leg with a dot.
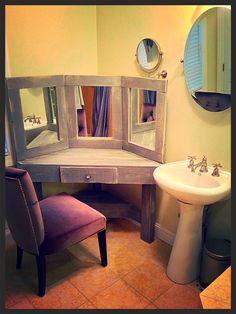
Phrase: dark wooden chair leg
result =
(19, 256)
(38, 190)
(102, 247)
(41, 267)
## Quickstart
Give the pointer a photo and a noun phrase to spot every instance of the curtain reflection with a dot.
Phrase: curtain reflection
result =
(79, 100)
(81, 115)
(82, 125)
(100, 111)
(149, 97)
(149, 103)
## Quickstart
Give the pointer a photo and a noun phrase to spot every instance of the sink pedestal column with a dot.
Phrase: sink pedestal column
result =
(184, 262)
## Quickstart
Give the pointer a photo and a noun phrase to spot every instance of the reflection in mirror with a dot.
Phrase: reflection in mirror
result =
(39, 116)
(142, 122)
(148, 55)
(93, 109)
(207, 59)
(52, 112)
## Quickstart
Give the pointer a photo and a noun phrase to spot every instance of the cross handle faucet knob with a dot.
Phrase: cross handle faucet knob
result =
(217, 165)
(191, 161)
(192, 157)
(215, 172)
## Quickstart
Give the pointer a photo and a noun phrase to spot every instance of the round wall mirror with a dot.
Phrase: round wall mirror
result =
(148, 55)
(207, 60)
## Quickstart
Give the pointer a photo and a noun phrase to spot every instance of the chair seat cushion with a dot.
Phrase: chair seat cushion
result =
(67, 221)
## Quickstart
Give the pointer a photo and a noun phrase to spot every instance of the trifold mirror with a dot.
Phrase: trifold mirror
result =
(51, 113)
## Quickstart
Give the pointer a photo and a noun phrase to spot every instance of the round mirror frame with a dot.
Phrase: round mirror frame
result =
(209, 100)
(159, 57)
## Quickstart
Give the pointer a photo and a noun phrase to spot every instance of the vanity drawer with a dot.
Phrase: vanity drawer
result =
(88, 174)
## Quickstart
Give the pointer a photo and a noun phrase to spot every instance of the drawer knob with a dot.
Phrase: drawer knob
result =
(87, 177)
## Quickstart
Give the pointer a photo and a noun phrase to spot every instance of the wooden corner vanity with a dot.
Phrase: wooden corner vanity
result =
(51, 148)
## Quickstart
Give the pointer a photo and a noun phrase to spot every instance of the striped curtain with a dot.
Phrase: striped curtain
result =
(149, 97)
(6, 146)
(100, 111)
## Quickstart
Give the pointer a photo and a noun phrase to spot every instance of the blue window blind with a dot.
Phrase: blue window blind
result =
(193, 60)
(6, 147)
(149, 97)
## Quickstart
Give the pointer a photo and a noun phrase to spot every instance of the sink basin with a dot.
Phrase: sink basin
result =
(193, 190)
(192, 187)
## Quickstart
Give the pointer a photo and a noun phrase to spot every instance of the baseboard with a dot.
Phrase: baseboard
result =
(160, 232)
(164, 234)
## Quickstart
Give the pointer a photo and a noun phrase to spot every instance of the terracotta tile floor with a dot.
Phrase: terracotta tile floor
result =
(135, 277)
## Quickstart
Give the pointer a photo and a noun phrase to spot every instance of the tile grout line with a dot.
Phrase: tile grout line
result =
(95, 293)
(133, 288)
(29, 301)
(79, 292)
(144, 295)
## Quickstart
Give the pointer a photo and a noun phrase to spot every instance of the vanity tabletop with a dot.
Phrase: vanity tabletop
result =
(91, 157)
(218, 294)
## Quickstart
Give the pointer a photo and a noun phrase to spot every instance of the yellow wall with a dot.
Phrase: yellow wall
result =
(45, 40)
(49, 40)
(191, 130)
(102, 40)
(32, 102)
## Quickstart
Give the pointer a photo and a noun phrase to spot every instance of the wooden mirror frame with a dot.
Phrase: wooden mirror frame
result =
(14, 108)
(71, 82)
(160, 86)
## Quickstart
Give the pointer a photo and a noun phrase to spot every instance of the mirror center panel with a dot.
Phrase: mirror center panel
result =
(94, 111)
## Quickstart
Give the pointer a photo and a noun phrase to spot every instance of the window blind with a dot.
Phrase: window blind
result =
(193, 60)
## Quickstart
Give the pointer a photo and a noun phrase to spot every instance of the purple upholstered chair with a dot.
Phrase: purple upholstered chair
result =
(45, 227)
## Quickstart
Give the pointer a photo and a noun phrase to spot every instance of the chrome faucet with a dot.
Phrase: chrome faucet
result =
(202, 164)
(32, 119)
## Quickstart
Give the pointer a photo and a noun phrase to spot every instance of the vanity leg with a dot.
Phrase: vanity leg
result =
(148, 213)
(38, 190)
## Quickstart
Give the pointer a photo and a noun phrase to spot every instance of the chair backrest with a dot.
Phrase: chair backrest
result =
(23, 212)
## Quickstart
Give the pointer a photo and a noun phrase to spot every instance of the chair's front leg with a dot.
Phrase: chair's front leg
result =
(41, 267)
(19, 256)
(102, 247)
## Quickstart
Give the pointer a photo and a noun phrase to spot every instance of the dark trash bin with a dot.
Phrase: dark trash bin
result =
(215, 259)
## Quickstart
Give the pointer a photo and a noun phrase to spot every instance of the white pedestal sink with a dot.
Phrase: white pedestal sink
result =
(193, 191)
